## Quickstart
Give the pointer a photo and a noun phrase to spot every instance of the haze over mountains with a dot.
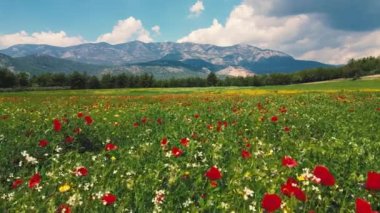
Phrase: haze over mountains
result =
(163, 60)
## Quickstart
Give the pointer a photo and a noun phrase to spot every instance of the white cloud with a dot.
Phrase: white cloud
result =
(197, 8)
(126, 30)
(156, 29)
(50, 38)
(304, 36)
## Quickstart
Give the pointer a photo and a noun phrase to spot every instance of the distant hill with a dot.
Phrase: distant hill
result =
(165, 58)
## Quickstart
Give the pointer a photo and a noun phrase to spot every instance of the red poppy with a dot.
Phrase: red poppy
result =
(135, 124)
(81, 171)
(43, 143)
(260, 107)
(291, 189)
(77, 130)
(378, 109)
(16, 183)
(362, 206)
(289, 162)
(373, 181)
(34, 180)
(69, 139)
(144, 120)
(80, 114)
(210, 127)
(88, 120)
(286, 129)
(64, 208)
(176, 152)
(283, 109)
(57, 125)
(164, 141)
(213, 173)
(271, 202)
(108, 199)
(159, 121)
(185, 141)
(323, 173)
(196, 116)
(274, 119)
(110, 147)
(245, 154)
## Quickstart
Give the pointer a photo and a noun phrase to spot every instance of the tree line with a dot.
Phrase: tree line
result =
(76, 80)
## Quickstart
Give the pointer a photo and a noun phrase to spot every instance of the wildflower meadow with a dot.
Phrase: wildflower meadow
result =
(196, 152)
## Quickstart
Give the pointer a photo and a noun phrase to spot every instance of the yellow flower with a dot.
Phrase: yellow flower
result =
(301, 178)
(64, 188)
(113, 158)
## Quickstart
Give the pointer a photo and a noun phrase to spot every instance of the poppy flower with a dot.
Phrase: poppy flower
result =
(373, 181)
(323, 173)
(144, 120)
(81, 171)
(34, 180)
(378, 109)
(286, 129)
(88, 120)
(57, 125)
(159, 121)
(69, 139)
(291, 189)
(213, 173)
(185, 141)
(245, 154)
(176, 152)
(362, 206)
(289, 162)
(196, 116)
(64, 208)
(164, 141)
(283, 109)
(43, 143)
(210, 127)
(108, 199)
(135, 124)
(80, 114)
(271, 202)
(77, 130)
(110, 147)
(16, 183)
(274, 119)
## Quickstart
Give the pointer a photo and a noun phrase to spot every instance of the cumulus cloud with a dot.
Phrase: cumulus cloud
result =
(353, 15)
(50, 38)
(304, 35)
(197, 8)
(156, 29)
(126, 30)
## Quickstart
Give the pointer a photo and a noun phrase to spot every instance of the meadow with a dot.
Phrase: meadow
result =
(297, 148)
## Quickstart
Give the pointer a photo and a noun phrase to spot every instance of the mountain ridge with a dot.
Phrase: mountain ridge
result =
(162, 55)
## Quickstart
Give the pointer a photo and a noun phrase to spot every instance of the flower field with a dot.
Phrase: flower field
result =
(301, 152)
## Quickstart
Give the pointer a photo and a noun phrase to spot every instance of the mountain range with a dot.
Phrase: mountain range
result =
(163, 60)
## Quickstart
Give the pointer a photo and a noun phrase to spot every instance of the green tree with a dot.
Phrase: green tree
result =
(78, 80)
(212, 80)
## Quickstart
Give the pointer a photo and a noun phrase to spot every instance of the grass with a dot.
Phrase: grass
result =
(244, 132)
(332, 86)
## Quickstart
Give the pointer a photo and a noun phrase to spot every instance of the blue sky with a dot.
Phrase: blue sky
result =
(91, 18)
(330, 31)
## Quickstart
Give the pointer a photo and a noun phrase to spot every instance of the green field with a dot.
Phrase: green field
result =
(224, 151)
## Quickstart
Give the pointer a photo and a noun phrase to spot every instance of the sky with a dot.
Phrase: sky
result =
(330, 31)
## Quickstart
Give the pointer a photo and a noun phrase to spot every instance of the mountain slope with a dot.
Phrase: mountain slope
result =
(37, 64)
(211, 57)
